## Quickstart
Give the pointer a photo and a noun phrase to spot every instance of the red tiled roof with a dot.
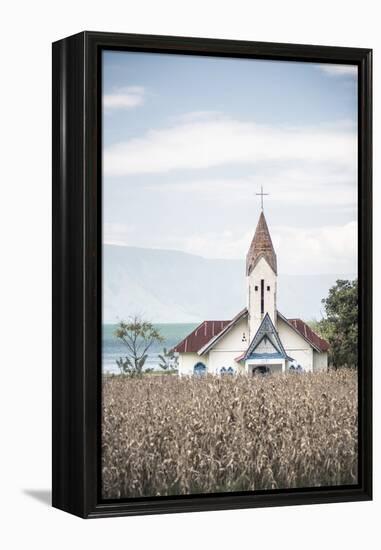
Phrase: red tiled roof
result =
(207, 330)
(200, 336)
(307, 333)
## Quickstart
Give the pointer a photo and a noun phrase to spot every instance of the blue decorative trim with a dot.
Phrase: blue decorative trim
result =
(266, 328)
(265, 356)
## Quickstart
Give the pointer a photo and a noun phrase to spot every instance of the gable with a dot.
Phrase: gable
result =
(262, 269)
(298, 334)
(266, 338)
(265, 346)
(291, 338)
(228, 328)
(232, 339)
(318, 343)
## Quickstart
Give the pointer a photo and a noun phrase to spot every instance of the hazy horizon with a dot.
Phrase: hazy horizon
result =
(175, 250)
(166, 286)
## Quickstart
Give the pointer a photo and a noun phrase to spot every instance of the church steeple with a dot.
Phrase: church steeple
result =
(261, 246)
(261, 275)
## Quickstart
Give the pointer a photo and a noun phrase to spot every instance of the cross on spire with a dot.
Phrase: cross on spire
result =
(262, 194)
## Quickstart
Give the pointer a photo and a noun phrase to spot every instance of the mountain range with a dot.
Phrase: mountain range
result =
(169, 286)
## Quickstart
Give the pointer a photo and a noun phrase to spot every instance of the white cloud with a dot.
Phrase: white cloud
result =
(318, 185)
(196, 116)
(338, 70)
(327, 249)
(198, 144)
(124, 98)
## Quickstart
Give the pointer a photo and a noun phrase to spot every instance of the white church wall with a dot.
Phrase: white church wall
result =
(187, 361)
(295, 345)
(320, 361)
(302, 357)
(219, 359)
(224, 353)
(231, 346)
(261, 271)
(232, 341)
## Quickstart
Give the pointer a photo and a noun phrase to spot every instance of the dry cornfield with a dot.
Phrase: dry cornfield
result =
(166, 435)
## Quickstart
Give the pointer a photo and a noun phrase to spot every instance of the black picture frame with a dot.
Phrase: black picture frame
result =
(77, 272)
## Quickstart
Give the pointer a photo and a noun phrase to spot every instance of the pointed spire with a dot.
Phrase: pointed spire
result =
(261, 246)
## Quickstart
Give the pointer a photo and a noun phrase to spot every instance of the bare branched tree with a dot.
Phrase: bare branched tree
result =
(138, 336)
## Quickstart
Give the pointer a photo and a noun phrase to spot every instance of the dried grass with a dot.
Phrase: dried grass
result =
(170, 435)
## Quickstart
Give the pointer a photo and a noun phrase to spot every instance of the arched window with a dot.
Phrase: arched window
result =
(222, 371)
(230, 371)
(199, 369)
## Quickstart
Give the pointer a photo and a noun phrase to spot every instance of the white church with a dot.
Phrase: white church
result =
(259, 339)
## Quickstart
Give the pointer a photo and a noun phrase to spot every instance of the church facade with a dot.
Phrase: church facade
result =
(259, 339)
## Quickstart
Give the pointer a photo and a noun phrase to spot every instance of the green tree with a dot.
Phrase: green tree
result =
(168, 360)
(138, 336)
(340, 325)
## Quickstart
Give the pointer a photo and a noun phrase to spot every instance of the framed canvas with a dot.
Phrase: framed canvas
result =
(212, 281)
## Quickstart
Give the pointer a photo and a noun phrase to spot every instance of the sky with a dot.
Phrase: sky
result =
(188, 141)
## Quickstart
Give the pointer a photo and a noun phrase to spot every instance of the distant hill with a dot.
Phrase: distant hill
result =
(168, 286)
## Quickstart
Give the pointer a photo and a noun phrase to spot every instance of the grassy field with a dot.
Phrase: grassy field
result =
(168, 435)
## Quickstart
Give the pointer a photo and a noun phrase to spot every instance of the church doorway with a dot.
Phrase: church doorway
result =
(199, 369)
(261, 370)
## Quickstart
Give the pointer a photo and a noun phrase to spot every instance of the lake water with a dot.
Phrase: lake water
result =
(113, 349)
